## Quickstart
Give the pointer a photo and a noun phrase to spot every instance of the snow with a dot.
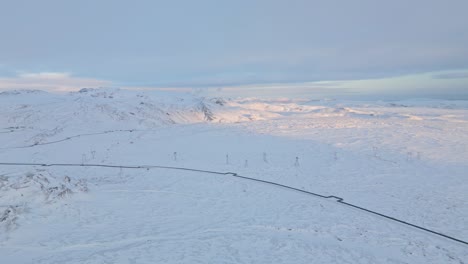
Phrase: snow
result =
(407, 159)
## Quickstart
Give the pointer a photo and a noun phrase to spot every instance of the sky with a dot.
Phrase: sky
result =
(412, 47)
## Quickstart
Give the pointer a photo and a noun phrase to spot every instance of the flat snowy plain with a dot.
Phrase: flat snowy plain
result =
(407, 159)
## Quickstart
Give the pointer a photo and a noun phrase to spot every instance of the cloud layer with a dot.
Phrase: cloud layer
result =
(49, 81)
(208, 42)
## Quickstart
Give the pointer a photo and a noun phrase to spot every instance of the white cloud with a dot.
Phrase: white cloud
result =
(45, 75)
(50, 81)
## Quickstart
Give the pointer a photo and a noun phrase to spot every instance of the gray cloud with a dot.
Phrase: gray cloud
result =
(207, 41)
(452, 75)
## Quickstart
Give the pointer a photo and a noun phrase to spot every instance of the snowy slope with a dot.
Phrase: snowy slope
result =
(407, 159)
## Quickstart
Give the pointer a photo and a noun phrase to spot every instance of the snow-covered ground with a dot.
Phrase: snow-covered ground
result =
(407, 159)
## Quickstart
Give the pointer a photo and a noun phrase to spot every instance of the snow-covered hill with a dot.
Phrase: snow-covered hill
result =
(407, 159)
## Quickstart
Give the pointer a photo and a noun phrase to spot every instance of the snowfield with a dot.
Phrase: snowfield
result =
(407, 159)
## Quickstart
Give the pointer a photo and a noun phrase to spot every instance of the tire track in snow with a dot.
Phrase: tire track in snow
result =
(72, 137)
(88, 134)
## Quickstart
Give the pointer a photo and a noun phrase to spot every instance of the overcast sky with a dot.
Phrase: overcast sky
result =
(151, 43)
